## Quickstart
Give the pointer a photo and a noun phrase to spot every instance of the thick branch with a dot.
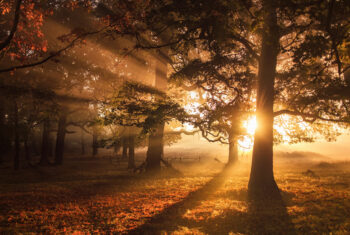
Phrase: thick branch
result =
(80, 125)
(309, 115)
(189, 88)
(247, 44)
(181, 132)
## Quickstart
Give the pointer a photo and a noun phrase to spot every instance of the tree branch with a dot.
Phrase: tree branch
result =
(181, 132)
(53, 54)
(247, 44)
(309, 115)
(17, 6)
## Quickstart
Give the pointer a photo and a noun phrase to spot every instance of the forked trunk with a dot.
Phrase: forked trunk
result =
(61, 133)
(262, 182)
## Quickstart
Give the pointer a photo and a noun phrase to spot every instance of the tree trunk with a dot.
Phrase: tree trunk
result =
(17, 140)
(94, 142)
(35, 146)
(155, 149)
(82, 139)
(232, 151)
(116, 147)
(2, 131)
(51, 145)
(61, 133)
(5, 130)
(262, 182)
(27, 151)
(45, 148)
(155, 140)
(131, 159)
(125, 148)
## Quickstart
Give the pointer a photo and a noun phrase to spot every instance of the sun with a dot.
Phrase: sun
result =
(246, 143)
(250, 125)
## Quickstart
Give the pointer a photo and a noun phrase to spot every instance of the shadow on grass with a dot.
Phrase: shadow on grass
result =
(269, 217)
(170, 218)
(261, 217)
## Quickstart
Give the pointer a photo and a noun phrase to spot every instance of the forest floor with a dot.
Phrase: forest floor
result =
(95, 196)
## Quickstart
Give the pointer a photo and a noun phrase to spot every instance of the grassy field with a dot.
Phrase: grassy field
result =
(95, 196)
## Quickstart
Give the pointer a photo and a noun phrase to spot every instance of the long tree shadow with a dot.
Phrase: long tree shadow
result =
(269, 217)
(170, 218)
(260, 217)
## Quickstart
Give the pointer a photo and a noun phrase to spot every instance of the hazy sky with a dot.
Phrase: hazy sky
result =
(337, 150)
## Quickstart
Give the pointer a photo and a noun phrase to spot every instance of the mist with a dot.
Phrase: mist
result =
(174, 117)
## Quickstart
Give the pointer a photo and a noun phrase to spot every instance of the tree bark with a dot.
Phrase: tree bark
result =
(155, 140)
(45, 148)
(61, 133)
(35, 146)
(27, 151)
(131, 159)
(17, 140)
(262, 182)
(5, 129)
(2, 132)
(233, 151)
(155, 149)
(125, 148)
(116, 147)
(94, 142)
(51, 145)
(82, 139)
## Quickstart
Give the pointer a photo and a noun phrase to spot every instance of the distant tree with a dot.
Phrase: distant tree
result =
(63, 74)
(156, 135)
(139, 105)
(5, 127)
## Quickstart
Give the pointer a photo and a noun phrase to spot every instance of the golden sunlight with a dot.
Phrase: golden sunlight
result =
(188, 127)
(250, 125)
(246, 143)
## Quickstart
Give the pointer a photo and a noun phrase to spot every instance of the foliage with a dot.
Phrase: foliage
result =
(137, 105)
(215, 50)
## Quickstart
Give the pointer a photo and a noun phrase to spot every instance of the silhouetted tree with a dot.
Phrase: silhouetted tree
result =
(272, 36)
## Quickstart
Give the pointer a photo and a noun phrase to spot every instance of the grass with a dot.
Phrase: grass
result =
(94, 196)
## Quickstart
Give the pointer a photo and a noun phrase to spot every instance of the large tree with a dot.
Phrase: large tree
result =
(283, 42)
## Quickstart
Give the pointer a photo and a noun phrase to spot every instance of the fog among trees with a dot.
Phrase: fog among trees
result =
(177, 100)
